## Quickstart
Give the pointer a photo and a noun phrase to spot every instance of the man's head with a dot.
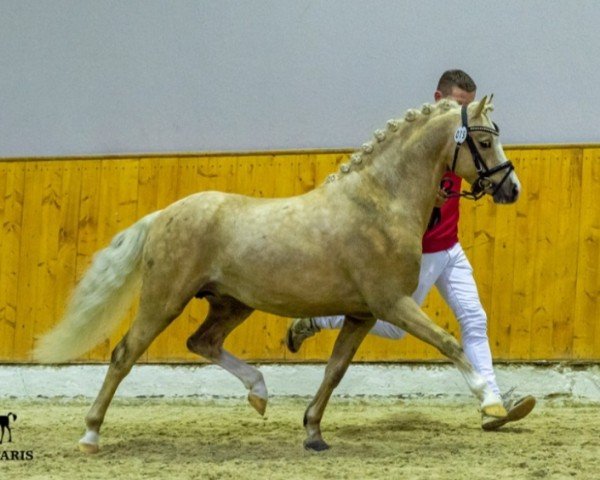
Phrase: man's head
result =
(457, 85)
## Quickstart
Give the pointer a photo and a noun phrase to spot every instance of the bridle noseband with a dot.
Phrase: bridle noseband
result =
(484, 173)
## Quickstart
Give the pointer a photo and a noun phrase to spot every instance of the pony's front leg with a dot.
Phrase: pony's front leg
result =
(408, 315)
(349, 339)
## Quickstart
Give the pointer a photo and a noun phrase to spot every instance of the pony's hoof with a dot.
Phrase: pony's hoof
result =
(89, 448)
(315, 445)
(497, 411)
(90, 442)
(259, 404)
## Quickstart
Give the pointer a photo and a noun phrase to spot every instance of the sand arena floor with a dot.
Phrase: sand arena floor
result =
(370, 438)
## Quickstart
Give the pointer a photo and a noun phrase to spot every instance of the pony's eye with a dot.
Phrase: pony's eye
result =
(486, 144)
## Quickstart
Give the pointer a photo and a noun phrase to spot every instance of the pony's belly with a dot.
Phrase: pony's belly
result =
(313, 310)
(311, 302)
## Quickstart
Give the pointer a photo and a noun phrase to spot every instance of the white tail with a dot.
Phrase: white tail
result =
(101, 298)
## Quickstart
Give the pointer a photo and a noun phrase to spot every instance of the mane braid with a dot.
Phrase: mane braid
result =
(394, 128)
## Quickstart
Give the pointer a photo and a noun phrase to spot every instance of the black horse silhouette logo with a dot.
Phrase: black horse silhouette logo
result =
(5, 424)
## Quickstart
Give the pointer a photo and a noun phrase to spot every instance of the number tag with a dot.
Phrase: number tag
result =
(461, 135)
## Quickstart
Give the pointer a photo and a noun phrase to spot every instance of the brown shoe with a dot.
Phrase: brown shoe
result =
(516, 408)
(300, 330)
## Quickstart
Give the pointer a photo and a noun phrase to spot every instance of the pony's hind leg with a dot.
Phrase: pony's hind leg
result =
(226, 313)
(349, 339)
(149, 322)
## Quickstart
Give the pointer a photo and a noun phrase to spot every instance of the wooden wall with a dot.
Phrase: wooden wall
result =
(536, 262)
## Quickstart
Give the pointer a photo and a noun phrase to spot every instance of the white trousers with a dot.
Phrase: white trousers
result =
(452, 274)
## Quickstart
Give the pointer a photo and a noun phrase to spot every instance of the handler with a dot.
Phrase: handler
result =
(445, 265)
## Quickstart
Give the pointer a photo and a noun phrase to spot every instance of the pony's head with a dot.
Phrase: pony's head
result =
(479, 158)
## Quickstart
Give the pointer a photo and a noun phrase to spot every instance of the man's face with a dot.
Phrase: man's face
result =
(458, 94)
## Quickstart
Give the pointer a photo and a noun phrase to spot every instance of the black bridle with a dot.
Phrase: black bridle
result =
(483, 182)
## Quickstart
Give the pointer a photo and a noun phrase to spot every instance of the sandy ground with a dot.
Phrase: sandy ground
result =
(370, 438)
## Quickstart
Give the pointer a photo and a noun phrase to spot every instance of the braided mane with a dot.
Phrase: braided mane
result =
(394, 128)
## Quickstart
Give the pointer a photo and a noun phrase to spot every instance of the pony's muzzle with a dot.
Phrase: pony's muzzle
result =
(508, 192)
(501, 183)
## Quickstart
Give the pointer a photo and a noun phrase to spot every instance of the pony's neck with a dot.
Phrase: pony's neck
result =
(413, 167)
(404, 170)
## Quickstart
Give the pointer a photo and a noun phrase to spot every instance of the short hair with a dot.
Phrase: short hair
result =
(455, 78)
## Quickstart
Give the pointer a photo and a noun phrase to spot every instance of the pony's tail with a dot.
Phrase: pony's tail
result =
(101, 298)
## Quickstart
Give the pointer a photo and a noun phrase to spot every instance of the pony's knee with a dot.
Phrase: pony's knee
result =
(451, 346)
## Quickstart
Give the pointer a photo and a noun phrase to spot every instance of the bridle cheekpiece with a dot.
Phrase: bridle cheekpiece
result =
(483, 182)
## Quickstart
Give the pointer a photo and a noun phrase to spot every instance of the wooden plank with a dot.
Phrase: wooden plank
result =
(88, 220)
(593, 254)
(32, 193)
(543, 266)
(66, 232)
(7, 327)
(40, 211)
(516, 330)
(566, 251)
(586, 332)
(11, 211)
(505, 267)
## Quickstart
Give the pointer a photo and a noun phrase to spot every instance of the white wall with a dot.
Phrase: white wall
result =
(388, 380)
(83, 76)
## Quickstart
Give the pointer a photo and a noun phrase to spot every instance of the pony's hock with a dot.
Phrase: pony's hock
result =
(245, 254)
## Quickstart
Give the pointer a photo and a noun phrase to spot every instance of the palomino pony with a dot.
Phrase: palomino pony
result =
(351, 246)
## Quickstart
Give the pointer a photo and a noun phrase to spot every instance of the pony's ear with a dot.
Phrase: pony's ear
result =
(491, 98)
(480, 107)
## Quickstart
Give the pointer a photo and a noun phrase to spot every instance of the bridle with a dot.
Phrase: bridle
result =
(483, 182)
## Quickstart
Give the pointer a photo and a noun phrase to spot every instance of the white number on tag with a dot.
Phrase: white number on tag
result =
(461, 134)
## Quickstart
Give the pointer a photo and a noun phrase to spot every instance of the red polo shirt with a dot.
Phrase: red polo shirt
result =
(445, 234)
